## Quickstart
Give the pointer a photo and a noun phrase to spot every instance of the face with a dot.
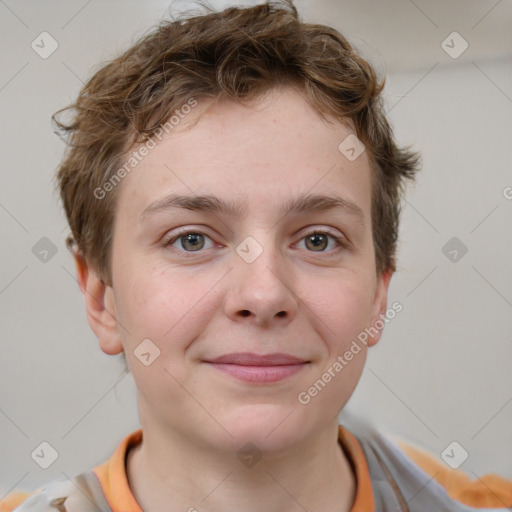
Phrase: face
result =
(291, 280)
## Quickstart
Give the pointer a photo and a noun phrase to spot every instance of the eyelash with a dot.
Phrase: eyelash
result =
(342, 242)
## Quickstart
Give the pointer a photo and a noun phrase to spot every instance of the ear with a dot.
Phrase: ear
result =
(100, 306)
(380, 304)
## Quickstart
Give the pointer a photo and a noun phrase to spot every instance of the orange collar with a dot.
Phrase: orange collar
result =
(114, 481)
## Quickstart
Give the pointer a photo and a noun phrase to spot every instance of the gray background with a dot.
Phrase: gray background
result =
(442, 370)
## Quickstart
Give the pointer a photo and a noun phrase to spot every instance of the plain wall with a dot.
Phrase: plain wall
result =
(442, 370)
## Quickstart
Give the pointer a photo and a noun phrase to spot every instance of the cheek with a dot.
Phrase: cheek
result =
(152, 308)
(171, 309)
(342, 306)
(165, 310)
(344, 309)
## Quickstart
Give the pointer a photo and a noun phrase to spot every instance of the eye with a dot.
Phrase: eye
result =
(189, 241)
(318, 241)
(194, 241)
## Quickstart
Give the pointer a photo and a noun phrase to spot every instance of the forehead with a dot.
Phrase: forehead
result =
(271, 151)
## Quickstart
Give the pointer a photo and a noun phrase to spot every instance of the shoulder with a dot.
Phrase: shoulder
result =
(103, 483)
(82, 492)
(43, 499)
(490, 490)
(14, 499)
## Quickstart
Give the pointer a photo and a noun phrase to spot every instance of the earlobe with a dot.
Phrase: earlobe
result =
(380, 303)
(100, 306)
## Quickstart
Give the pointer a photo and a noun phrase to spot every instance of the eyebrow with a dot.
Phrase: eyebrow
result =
(306, 203)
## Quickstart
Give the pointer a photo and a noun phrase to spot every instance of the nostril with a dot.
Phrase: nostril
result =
(245, 312)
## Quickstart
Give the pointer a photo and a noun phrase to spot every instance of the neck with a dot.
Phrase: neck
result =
(169, 472)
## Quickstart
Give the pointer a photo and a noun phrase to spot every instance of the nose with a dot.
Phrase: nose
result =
(261, 291)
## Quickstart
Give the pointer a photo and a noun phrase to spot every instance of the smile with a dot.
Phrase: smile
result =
(258, 368)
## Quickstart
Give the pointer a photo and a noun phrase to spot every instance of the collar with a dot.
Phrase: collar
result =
(114, 481)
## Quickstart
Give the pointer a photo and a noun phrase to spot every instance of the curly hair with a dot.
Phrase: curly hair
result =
(239, 54)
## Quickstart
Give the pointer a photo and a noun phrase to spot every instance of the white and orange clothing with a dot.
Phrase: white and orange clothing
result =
(490, 491)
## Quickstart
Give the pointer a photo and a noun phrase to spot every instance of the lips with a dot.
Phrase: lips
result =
(256, 368)
(249, 359)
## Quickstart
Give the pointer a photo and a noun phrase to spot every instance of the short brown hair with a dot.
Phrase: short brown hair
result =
(240, 54)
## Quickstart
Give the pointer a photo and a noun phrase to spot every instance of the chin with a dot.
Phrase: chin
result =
(270, 427)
